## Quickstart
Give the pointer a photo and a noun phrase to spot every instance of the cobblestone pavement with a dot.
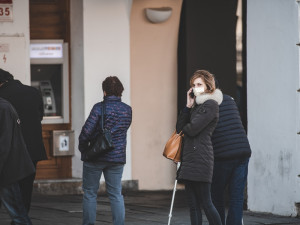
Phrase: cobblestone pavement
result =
(142, 208)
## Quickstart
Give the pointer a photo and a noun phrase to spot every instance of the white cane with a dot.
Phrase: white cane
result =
(173, 196)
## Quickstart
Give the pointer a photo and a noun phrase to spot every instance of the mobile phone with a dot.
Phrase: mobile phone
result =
(192, 94)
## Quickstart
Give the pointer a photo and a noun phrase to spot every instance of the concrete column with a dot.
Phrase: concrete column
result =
(77, 79)
(273, 105)
(106, 52)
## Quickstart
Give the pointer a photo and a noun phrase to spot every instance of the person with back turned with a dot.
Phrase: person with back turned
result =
(29, 105)
(15, 164)
(117, 118)
(232, 152)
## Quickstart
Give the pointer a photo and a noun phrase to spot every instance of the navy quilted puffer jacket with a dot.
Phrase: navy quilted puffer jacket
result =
(229, 139)
(117, 119)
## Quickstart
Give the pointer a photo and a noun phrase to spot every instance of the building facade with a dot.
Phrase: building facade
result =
(104, 38)
(115, 38)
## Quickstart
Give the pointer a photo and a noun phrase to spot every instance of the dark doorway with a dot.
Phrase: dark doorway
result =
(207, 40)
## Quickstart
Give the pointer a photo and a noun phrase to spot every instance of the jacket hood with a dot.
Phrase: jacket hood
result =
(217, 95)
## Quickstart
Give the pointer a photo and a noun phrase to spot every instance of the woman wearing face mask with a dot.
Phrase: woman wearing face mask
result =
(197, 121)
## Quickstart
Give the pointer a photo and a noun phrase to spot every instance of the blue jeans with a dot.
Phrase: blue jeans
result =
(92, 172)
(12, 200)
(234, 174)
(198, 194)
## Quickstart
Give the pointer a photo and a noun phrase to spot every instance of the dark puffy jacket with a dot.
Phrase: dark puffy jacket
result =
(117, 119)
(29, 105)
(197, 158)
(15, 162)
(229, 138)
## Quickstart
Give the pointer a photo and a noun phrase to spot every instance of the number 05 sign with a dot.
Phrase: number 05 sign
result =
(6, 13)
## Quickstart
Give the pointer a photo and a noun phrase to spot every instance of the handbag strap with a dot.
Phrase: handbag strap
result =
(102, 115)
(180, 133)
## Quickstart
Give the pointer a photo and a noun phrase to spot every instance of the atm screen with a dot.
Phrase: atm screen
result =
(48, 80)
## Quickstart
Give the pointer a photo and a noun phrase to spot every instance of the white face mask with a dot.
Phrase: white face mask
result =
(198, 91)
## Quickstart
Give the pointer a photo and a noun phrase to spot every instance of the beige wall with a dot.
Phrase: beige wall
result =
(153, 93)
(15, 36)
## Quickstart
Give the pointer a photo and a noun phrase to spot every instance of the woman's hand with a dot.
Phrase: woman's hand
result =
(189, 100)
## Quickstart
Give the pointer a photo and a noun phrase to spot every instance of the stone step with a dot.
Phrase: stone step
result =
(74, 186)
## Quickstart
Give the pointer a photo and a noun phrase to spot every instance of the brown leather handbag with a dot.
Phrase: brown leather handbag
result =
(173, 147)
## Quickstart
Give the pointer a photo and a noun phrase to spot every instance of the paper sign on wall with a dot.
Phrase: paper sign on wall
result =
(13, 51)
(4, 47)
(63, 143)
(6, 11)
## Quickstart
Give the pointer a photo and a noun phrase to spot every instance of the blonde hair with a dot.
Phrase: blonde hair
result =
(207, 77)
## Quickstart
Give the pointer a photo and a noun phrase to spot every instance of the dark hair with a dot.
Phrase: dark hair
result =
(5, 76)
(112, 86)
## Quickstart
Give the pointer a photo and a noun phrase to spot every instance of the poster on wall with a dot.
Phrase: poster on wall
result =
(6, 11)
(13, 51)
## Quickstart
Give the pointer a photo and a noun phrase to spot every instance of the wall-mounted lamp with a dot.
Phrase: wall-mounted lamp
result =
(158, 15)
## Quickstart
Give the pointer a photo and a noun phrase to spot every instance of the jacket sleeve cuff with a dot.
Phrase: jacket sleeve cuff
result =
(186, 110)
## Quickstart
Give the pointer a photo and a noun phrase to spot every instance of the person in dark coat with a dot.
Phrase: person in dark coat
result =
(29, 105)
(15, 163)
(197, 121)
(117, 119)
(232, 152)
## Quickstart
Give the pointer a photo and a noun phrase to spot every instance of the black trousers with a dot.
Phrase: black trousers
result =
(11, 198)
(26, 186)
(198, 194)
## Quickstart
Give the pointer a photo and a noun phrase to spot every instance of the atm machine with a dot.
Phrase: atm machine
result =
(47, 92)
(49, 74)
